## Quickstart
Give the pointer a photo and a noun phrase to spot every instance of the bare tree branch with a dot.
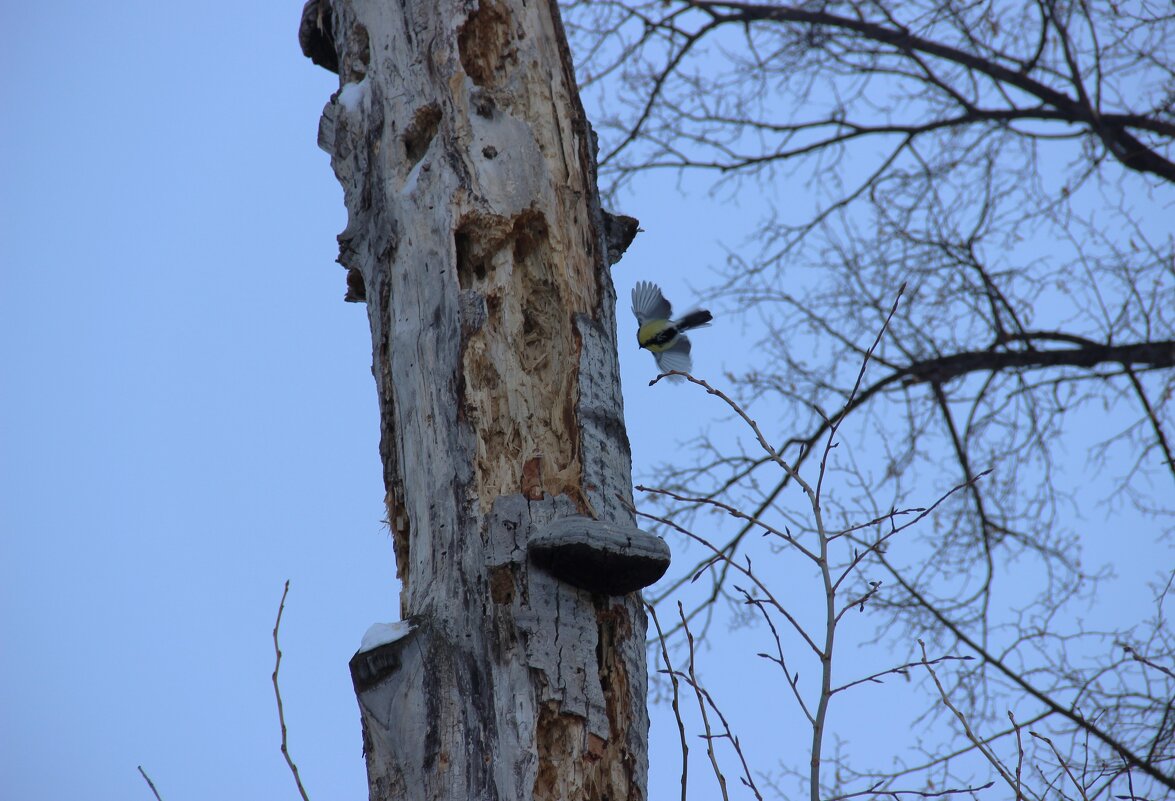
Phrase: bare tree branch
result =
(150, 783)
(1120, 142)
(281, 715)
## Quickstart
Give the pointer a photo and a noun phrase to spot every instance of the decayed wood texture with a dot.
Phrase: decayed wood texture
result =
(476, 238)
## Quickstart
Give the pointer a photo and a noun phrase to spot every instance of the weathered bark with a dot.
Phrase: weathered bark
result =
(476, 238)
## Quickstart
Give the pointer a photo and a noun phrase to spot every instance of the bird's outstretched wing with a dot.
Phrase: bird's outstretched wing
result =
(648, 303)
(675, 357)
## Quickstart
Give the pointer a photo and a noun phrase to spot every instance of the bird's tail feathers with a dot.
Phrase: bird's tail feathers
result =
(698, 318)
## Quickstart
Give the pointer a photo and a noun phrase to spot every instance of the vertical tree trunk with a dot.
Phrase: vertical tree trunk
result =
(476, 237)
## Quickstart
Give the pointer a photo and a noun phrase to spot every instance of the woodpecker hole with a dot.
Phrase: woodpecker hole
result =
(420, 133)
(485, 44)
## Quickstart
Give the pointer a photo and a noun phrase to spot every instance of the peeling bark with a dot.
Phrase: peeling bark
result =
(476, 239)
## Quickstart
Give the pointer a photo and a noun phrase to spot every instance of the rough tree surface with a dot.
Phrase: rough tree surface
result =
(475, 236)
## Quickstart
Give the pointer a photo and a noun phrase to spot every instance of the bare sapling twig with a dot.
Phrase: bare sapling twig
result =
(150, 783)
(1129, 757)
(733, 512)
(819, 555)
(899, 670)
(281, 715)
(692, 680)
(870, 547)
(1064, 763)
(792, 678)
(705, 700)
(673, 680)
(719, 556)
(831, 617)
(980, 744)
(944, 758)
(834, 425)
(1019, 757)
(746, 418)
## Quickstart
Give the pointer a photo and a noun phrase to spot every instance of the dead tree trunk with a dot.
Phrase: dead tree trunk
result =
(476, 238)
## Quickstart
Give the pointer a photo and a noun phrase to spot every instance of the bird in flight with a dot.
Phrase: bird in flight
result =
(659, 333)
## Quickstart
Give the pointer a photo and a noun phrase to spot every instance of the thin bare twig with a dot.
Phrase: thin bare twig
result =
(900, 670)
(870, 547)
(942, 759)
(281, 715)
(875, 791)
(1064, 763)
(1137, 657)
(746, 418)
(988, 754)
(1019, 757)
(1127, 755)
(676, 699)
(792, 678)
(719, 556)
(692, 680)
(733, 512)
(150, 783)
(705, 700)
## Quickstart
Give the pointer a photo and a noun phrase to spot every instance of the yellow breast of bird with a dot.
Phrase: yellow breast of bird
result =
(656, 335)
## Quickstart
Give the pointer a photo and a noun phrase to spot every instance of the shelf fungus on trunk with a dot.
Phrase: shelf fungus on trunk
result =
(599, 556)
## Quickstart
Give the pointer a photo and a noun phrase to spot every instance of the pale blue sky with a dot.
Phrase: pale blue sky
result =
(187, 412)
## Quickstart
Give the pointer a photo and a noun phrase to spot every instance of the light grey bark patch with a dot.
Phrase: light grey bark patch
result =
(393, 700)
(358, 54)
(606, 458)
(557, 621)
(473, 313)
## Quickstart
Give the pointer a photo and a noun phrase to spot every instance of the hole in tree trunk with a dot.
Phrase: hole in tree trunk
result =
(485, 44)
(420, 134)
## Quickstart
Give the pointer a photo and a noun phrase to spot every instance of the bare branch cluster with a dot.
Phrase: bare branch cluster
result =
(1127, 704)
(1012, 165)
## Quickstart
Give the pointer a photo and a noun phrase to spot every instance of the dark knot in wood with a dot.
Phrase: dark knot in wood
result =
(619, 231)
(316, 35)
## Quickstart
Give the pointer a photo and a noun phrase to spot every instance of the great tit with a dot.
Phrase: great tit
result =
(659, 334)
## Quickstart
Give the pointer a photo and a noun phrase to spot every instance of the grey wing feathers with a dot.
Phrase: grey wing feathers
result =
(676, 357)
(648, 303)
